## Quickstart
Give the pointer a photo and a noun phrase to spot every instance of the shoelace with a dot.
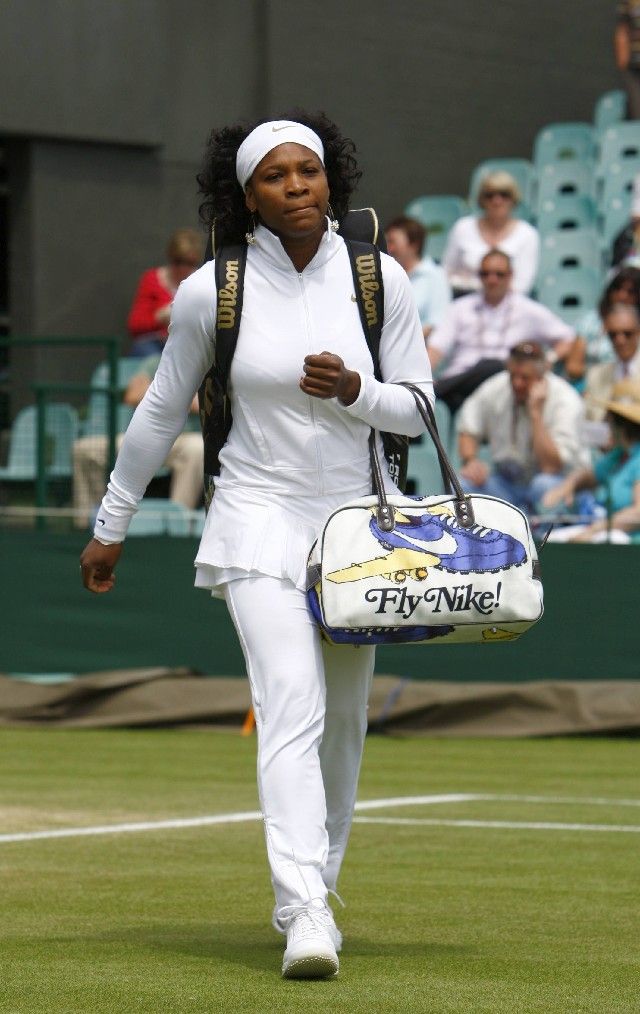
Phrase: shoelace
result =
(307, 920)
(475, 529)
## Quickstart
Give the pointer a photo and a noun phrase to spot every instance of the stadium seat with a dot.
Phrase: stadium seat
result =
(61, 429)
(618, 143)
(573, 248)
(98, 413)
(567, 176)
(156, 516)
(619, 180)
(423, 472)
(437, 213)
(560, 141)
(615, 216)
(610, 108)
(521, 169)
(569, 293)
(566, 211)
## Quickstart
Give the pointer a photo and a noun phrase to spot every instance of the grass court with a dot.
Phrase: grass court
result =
(515, 891)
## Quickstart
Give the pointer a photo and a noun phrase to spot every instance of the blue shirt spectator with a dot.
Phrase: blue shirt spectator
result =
(405, 242)
(618, 472)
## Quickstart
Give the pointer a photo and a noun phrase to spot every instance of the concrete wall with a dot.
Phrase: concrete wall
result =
(107, 108)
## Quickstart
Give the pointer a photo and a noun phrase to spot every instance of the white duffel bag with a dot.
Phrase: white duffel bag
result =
(451, 569)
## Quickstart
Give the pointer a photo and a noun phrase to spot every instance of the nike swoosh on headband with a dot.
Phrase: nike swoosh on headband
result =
(287, 126)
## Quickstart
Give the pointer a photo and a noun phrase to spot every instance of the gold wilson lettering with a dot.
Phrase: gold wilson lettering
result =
(228, 297)
(366, 268)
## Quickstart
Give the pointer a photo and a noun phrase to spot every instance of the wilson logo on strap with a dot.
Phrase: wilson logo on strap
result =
(369, 285)
(228, 297)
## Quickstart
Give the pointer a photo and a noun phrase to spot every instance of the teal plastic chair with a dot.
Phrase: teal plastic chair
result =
(618, 143)
(437, 212)
(98, 408)
(575, 177)
(61, 429)
(156, 516)
(560, 141)
(610, 108)
(618, 182)
(573, 248)
(570, 293)
(566, 211)
(521, 169)
(423, 470)
(615, 216)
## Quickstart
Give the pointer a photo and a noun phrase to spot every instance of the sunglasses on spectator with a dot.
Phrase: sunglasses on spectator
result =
(625, 332)
(488, 273)
(488, 194)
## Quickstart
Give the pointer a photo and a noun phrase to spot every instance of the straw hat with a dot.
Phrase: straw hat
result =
(625, 400)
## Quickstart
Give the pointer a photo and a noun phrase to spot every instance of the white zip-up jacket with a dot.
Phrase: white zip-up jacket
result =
(288, 454)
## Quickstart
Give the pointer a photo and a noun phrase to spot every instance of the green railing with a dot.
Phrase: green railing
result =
(49, 392)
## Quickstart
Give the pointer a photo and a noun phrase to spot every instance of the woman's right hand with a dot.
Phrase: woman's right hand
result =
(96, 563)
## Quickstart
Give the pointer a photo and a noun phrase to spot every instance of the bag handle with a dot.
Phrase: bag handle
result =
(462, 503)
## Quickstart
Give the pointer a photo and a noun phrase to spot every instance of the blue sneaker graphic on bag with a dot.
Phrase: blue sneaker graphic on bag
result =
(460, 550)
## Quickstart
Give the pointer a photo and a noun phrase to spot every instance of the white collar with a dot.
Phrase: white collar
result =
(270, 246)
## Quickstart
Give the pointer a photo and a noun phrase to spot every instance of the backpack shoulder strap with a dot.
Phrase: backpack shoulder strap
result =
(230, 265)
(366, 269)
(362, 224)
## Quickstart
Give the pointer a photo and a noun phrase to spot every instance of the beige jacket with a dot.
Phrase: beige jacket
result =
(600, 380)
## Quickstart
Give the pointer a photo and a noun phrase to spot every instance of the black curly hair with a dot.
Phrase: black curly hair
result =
(224, 202)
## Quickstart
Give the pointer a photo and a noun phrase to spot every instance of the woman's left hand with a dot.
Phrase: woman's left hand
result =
(326, 376)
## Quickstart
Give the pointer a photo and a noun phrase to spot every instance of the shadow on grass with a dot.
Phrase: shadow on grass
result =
(250, 946)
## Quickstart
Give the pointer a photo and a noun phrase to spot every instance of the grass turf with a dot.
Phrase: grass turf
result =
(439, 919)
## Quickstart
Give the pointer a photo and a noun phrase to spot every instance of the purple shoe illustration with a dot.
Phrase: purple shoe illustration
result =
(460, 550)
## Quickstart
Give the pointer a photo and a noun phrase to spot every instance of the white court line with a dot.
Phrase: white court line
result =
(367, 804)
(509, 824)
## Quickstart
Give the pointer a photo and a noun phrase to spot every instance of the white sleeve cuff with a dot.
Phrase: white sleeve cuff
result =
(355, 408)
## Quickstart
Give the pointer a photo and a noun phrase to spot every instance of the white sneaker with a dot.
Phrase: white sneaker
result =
(311, 952)
(280, 926)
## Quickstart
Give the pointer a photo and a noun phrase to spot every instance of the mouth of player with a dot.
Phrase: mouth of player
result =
(295, 212)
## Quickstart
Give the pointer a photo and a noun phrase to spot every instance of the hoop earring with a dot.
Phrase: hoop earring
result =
(250, 236)
(334, 224)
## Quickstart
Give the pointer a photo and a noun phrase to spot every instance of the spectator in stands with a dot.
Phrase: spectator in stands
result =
(474, 338)
(148, 321)
(616, 477)
(622, 325)
(592, 345)
(405, 241)
(471, 238)
(626, 245)
(530, 419)
(185, 460)
(627, 53)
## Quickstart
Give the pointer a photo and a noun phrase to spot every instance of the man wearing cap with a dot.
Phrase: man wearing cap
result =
(473, 340)
(530, 418)
(622, 325)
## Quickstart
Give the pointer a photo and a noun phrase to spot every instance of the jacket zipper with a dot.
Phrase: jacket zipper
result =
(311, 407)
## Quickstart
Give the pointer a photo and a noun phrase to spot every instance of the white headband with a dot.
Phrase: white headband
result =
(268, 136)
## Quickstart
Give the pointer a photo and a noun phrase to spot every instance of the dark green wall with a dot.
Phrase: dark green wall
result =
(108, 106)
(154, 616)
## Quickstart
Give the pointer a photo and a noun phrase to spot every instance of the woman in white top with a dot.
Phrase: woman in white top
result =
(297, 449)
(472, 237)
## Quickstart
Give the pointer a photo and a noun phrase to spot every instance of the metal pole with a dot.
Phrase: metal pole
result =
(41, 457)
(112, 408)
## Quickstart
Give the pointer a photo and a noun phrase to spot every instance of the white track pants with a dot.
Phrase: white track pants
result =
(310, 702)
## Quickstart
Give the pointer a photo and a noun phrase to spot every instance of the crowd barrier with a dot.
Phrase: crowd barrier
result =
(155, 617)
